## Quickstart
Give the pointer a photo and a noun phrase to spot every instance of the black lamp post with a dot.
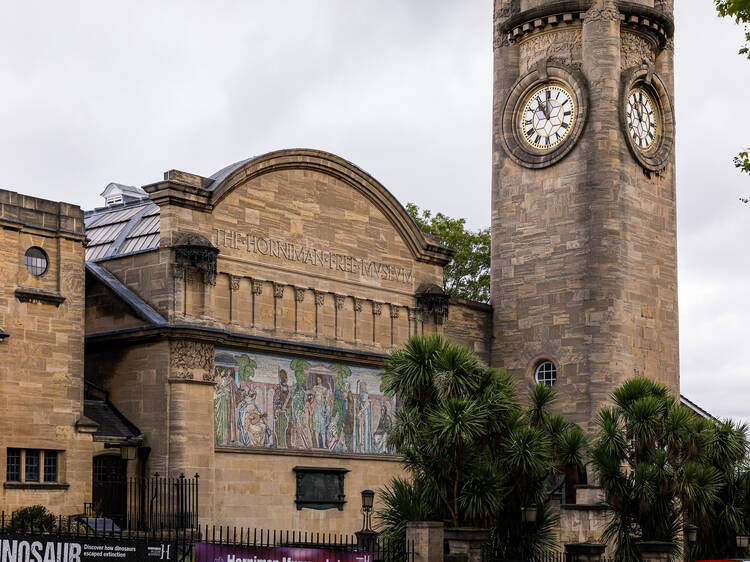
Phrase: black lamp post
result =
(691, 535)
(367, 538)
(528, 521)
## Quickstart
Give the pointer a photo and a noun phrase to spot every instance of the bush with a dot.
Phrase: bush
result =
(34, 517)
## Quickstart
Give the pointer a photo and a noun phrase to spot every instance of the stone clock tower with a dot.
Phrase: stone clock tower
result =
(584, 247)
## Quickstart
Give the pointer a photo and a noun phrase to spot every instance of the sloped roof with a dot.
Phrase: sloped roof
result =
(122, 229)
(695, 408)
(112, 424)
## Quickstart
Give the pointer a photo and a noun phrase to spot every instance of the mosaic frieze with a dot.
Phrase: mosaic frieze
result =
(281, 402)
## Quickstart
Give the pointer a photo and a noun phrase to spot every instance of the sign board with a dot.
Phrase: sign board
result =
(207, 552)
(51, 548)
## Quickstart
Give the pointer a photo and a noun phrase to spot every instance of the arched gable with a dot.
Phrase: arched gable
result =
(422, 249)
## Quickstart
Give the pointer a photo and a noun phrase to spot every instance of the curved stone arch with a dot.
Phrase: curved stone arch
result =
(422, 249)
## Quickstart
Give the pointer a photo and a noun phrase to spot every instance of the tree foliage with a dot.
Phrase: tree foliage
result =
(739, 10)
(474, 454)
(468, 274)
(660, 466)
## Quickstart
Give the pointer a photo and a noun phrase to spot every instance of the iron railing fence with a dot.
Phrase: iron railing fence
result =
(184, 540)
(148, 504)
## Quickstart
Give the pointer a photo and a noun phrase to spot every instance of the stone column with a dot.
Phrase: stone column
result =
(191, 418)
(585, 552)
(426, 537)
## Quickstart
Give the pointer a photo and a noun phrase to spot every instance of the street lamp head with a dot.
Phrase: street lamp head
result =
(128, 449)
(691, 532)
(742, 541)
(528, 514)
(368, 497)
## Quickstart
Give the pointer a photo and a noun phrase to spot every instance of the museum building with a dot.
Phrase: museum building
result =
(235, 326)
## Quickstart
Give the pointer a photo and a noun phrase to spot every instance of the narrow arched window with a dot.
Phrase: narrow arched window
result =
(546, 373)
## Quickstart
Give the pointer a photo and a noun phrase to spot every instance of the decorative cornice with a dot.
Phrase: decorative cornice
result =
(567, 12)
(225, 338)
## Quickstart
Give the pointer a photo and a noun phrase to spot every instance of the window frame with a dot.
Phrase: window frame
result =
(29, 263)
(548, 376)
(46, 464)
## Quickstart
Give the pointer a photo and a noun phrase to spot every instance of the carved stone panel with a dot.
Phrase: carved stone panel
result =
(562, 45)
(191, 360)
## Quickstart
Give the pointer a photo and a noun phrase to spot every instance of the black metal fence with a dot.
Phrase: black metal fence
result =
(147, 504)
(170, 544)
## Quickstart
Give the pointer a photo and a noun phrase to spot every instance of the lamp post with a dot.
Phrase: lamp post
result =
(691, 535)
(528, 518)
(742, 543)
(367, 538)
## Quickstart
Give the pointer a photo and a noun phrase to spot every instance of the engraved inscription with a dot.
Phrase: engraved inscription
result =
(308, 255)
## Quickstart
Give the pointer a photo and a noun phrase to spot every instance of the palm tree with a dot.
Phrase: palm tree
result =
(475, 456)
(651, 457)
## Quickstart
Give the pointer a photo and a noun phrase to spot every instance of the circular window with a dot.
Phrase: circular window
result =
(35, 261)
(546, 372)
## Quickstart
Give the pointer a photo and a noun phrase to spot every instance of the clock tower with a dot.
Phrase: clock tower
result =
(584, 246)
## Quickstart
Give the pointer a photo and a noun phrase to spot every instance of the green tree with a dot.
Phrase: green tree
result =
(468, 274)
(739, 10)
(726, 450)
(474, 454)
(657, 465)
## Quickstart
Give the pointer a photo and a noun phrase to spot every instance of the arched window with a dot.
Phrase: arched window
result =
(546, 372)
(35, 261)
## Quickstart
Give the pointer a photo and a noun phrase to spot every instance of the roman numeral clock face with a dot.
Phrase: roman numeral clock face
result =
(548, 117)
(641, 119)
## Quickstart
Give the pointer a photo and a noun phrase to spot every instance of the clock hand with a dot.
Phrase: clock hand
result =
(543, 106)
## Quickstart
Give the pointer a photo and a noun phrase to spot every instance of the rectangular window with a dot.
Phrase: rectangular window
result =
(32, 465)
(50, 466)
(13, 465)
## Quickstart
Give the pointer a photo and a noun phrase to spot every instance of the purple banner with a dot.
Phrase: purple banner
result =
(207, 552)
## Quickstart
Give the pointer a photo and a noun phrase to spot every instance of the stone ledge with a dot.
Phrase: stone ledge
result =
(33, 295)
(304, 453)
(35, 486)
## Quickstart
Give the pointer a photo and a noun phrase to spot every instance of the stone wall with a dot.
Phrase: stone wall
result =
(41, 362)
(258, 490)
(470, 324)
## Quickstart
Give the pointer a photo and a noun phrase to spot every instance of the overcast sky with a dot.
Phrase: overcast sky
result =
(93, 92)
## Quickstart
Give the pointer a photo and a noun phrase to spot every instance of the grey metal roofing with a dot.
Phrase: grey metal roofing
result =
(111, 422)
(122, 229)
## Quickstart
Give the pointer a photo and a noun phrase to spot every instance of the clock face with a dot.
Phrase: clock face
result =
(548, 116)
(641, 119)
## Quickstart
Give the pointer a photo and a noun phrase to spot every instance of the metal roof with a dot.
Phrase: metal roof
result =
(122, 229)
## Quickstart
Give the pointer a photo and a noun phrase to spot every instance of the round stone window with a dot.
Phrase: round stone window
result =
(35, 261)
(546, 373)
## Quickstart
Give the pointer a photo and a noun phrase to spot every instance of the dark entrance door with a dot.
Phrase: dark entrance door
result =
(110, 491)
